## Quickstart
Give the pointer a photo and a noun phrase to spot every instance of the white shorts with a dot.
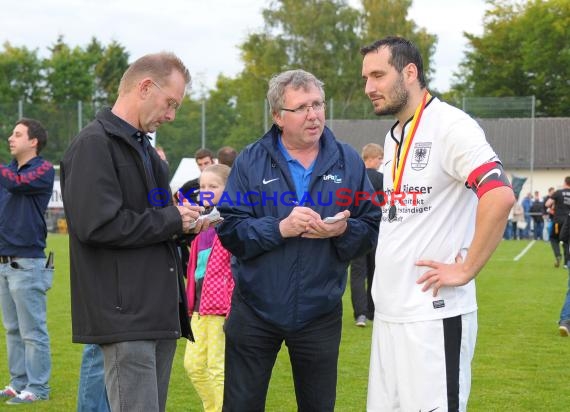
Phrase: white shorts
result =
(421, 366)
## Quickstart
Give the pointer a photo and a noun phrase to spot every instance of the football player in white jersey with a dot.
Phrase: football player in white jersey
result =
(446, 206)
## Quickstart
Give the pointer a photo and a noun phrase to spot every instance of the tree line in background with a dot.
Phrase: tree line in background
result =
(524, 50)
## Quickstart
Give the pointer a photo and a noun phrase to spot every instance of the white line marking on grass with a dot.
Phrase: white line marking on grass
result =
(520, 255)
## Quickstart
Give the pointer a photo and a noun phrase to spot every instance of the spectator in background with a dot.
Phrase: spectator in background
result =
(518, 221)
(289, 266)
(26, 186)
(538, 212)
(549, 212)
(204, 158)
(191, 189)
(127, 290)
(508, 232)
(227, 155)
(362, 268)
(560, 201)
(526, 204)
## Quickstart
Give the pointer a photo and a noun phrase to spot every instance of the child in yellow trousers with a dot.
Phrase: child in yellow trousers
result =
(209, 290)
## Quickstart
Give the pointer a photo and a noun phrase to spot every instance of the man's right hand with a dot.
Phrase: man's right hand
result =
(190, 215)
(298, 221)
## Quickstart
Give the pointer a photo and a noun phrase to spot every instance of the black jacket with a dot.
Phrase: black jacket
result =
(126, 278)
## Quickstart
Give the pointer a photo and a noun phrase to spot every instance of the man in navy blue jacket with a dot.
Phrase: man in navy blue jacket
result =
(297, 209)
(26, 186)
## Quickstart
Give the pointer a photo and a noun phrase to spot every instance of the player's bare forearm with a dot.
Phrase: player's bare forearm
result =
(491, 219)
(492, 213)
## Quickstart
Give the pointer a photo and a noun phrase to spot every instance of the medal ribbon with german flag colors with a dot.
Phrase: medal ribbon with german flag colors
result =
(398, 167)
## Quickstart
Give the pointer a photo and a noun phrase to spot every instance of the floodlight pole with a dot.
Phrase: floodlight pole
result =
(533, 100)
(203, 123)
(79, 115)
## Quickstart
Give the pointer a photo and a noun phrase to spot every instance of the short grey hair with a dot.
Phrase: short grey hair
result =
(296, 79)
(159, 66)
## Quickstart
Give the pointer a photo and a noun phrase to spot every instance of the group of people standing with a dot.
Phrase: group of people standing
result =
(557, 204)
(530, 218)
(547, 218)
(274, 270)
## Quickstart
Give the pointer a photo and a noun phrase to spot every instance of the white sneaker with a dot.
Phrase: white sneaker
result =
(564, 328)
(8, 392)
(23, 398)
(360, 321)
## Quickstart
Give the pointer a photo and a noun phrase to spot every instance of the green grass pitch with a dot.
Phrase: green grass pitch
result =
(521, 363)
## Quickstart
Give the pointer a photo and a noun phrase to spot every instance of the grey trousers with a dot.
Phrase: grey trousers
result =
(137, 374)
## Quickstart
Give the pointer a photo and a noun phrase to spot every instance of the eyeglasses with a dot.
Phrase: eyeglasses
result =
(172, 103)
(317, 108)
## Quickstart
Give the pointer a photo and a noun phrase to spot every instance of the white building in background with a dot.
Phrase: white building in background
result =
(187, 170)
(541, 179)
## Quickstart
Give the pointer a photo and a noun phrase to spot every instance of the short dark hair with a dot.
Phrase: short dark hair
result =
(203, 152)
(567, 180)
(227, 155)
(403, 52)
(35, 131)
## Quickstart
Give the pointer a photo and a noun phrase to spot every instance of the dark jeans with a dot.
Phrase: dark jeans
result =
(252, 345)
(538, 228)
(555, 242)
(361, 275)
(517, 233)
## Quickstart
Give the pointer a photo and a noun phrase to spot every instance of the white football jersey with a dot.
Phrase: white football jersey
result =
(439, 225)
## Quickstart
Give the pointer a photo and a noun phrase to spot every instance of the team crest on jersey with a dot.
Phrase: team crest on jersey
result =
(420, 155)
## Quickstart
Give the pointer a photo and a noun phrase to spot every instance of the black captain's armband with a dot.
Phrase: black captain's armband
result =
(486, 177)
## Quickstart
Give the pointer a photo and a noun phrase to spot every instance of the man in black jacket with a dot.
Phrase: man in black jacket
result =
(126, 280)
(560, 201)
(564, 323)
